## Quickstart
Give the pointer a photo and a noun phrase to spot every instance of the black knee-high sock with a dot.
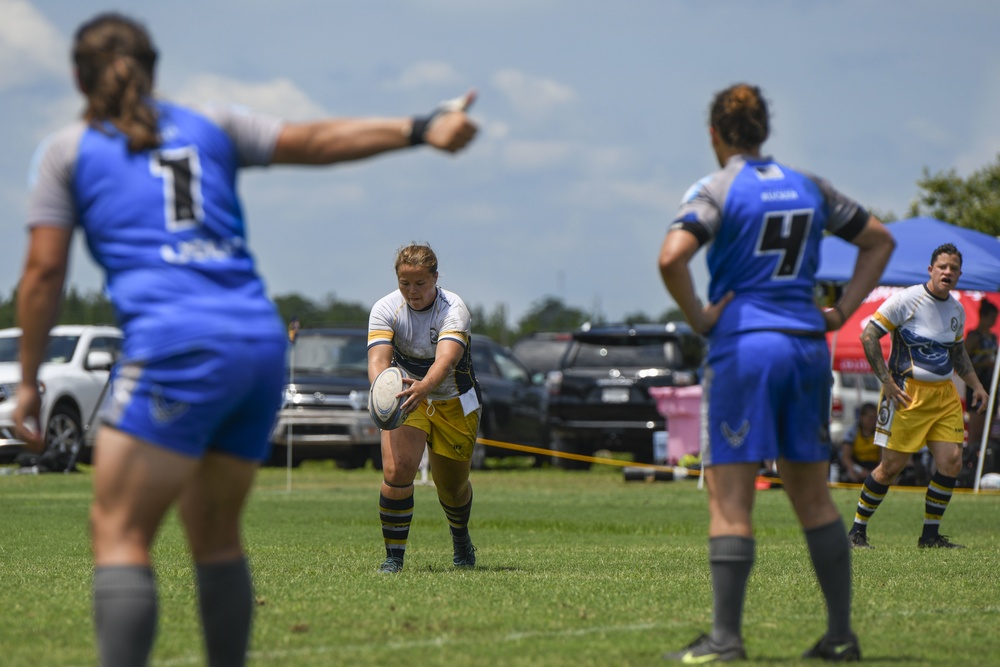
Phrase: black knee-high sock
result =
(730, 558)
(458, 519)
(125, 614)
(225, 599)
(831, 557)
(396, 516)
(939, 492)
(872, 495)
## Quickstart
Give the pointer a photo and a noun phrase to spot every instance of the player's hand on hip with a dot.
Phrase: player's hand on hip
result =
(897, 395)
(710, 314)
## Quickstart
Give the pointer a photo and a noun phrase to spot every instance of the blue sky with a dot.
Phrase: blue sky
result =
(592, 124)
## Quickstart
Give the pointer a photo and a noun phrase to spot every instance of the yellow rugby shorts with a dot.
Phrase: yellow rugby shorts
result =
(450, 432)
(934, 414)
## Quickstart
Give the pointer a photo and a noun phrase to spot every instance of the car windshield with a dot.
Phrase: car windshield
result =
(540, 355)
(333, 354)
(59, 351)
(642, 353)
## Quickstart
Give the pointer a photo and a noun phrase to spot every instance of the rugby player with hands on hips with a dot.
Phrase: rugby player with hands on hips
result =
(191, 403)
(767, 378)
(920, 404)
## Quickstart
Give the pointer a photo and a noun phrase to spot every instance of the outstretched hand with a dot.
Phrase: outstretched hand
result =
(450, 128)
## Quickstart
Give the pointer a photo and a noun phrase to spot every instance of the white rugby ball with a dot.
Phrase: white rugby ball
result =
(990, 480)
(382, 402)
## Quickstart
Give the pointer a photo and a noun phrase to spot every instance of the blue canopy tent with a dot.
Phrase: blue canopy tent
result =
(916, 239)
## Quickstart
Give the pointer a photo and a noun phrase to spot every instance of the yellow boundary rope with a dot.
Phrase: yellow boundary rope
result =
(690, 473)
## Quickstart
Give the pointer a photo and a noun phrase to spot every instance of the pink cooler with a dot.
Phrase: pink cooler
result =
(682, 408)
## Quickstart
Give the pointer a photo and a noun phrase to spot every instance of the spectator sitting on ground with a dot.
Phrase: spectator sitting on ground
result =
(858, 452)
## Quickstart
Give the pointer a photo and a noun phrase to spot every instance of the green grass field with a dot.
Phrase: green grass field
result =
(576, 569)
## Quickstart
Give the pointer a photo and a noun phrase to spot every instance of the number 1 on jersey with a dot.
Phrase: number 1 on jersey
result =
(180, 170)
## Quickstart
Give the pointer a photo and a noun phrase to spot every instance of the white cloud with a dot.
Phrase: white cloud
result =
(928, 132)
(424, 73)
(532, 96)
(620, 195)
(30, 46)
(279, 97)
(536, 154)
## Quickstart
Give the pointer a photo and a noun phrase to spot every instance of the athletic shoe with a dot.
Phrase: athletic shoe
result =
(391, 565)
(859, 540)
(938, 542)
(848, 650)
(703, 651)
(464, 553)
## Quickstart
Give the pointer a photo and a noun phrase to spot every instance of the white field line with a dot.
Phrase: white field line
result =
(270, 657)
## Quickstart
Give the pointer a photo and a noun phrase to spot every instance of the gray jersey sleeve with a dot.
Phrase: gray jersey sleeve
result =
(254, 134)
(847, 217)
(50, 197)
(701, 208)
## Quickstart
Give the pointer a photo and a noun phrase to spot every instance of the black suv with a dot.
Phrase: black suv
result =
(599, 398)
(542, 351)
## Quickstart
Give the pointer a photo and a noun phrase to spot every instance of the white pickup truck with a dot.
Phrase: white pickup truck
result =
(73, 377)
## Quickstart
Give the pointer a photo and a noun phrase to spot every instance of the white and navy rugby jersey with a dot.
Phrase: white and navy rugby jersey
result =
(924, 330)
(414, 335)
(764, 221)
(166, 224)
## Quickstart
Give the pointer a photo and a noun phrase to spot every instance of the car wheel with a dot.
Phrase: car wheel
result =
(543, 443)
(355, 458)
(279, 457)
(478, 456)
(375, 454)
(64, 435)
(567, 445)
(486, 430)
(644, 453)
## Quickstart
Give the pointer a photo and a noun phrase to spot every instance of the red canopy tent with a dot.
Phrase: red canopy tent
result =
(845, 344)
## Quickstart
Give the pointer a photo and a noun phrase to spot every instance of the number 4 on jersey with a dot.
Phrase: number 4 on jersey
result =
(784, 233)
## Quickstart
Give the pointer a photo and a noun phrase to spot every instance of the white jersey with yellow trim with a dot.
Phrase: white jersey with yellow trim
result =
(924, 330)
(414, 335)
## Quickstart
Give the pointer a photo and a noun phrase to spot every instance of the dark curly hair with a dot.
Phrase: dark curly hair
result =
(739, 116)
(946, 249)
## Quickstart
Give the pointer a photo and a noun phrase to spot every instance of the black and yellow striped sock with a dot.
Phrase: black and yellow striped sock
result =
(872, 495)
(458, 519)
(939, 492)
(396, 516)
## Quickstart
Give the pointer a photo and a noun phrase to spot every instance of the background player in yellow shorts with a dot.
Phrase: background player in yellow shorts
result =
(920, 403)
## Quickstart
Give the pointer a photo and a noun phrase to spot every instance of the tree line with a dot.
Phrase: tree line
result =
(972, 202)
(547, 314)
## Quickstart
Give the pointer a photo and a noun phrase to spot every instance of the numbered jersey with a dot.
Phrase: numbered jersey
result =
(166, 225)
(765, 221)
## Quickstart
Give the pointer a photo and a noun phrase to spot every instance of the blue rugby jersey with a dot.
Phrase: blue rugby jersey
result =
(764, 222)
(166, 225)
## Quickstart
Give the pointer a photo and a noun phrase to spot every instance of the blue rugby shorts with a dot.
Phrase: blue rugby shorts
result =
(768, 398)
(222, 396)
